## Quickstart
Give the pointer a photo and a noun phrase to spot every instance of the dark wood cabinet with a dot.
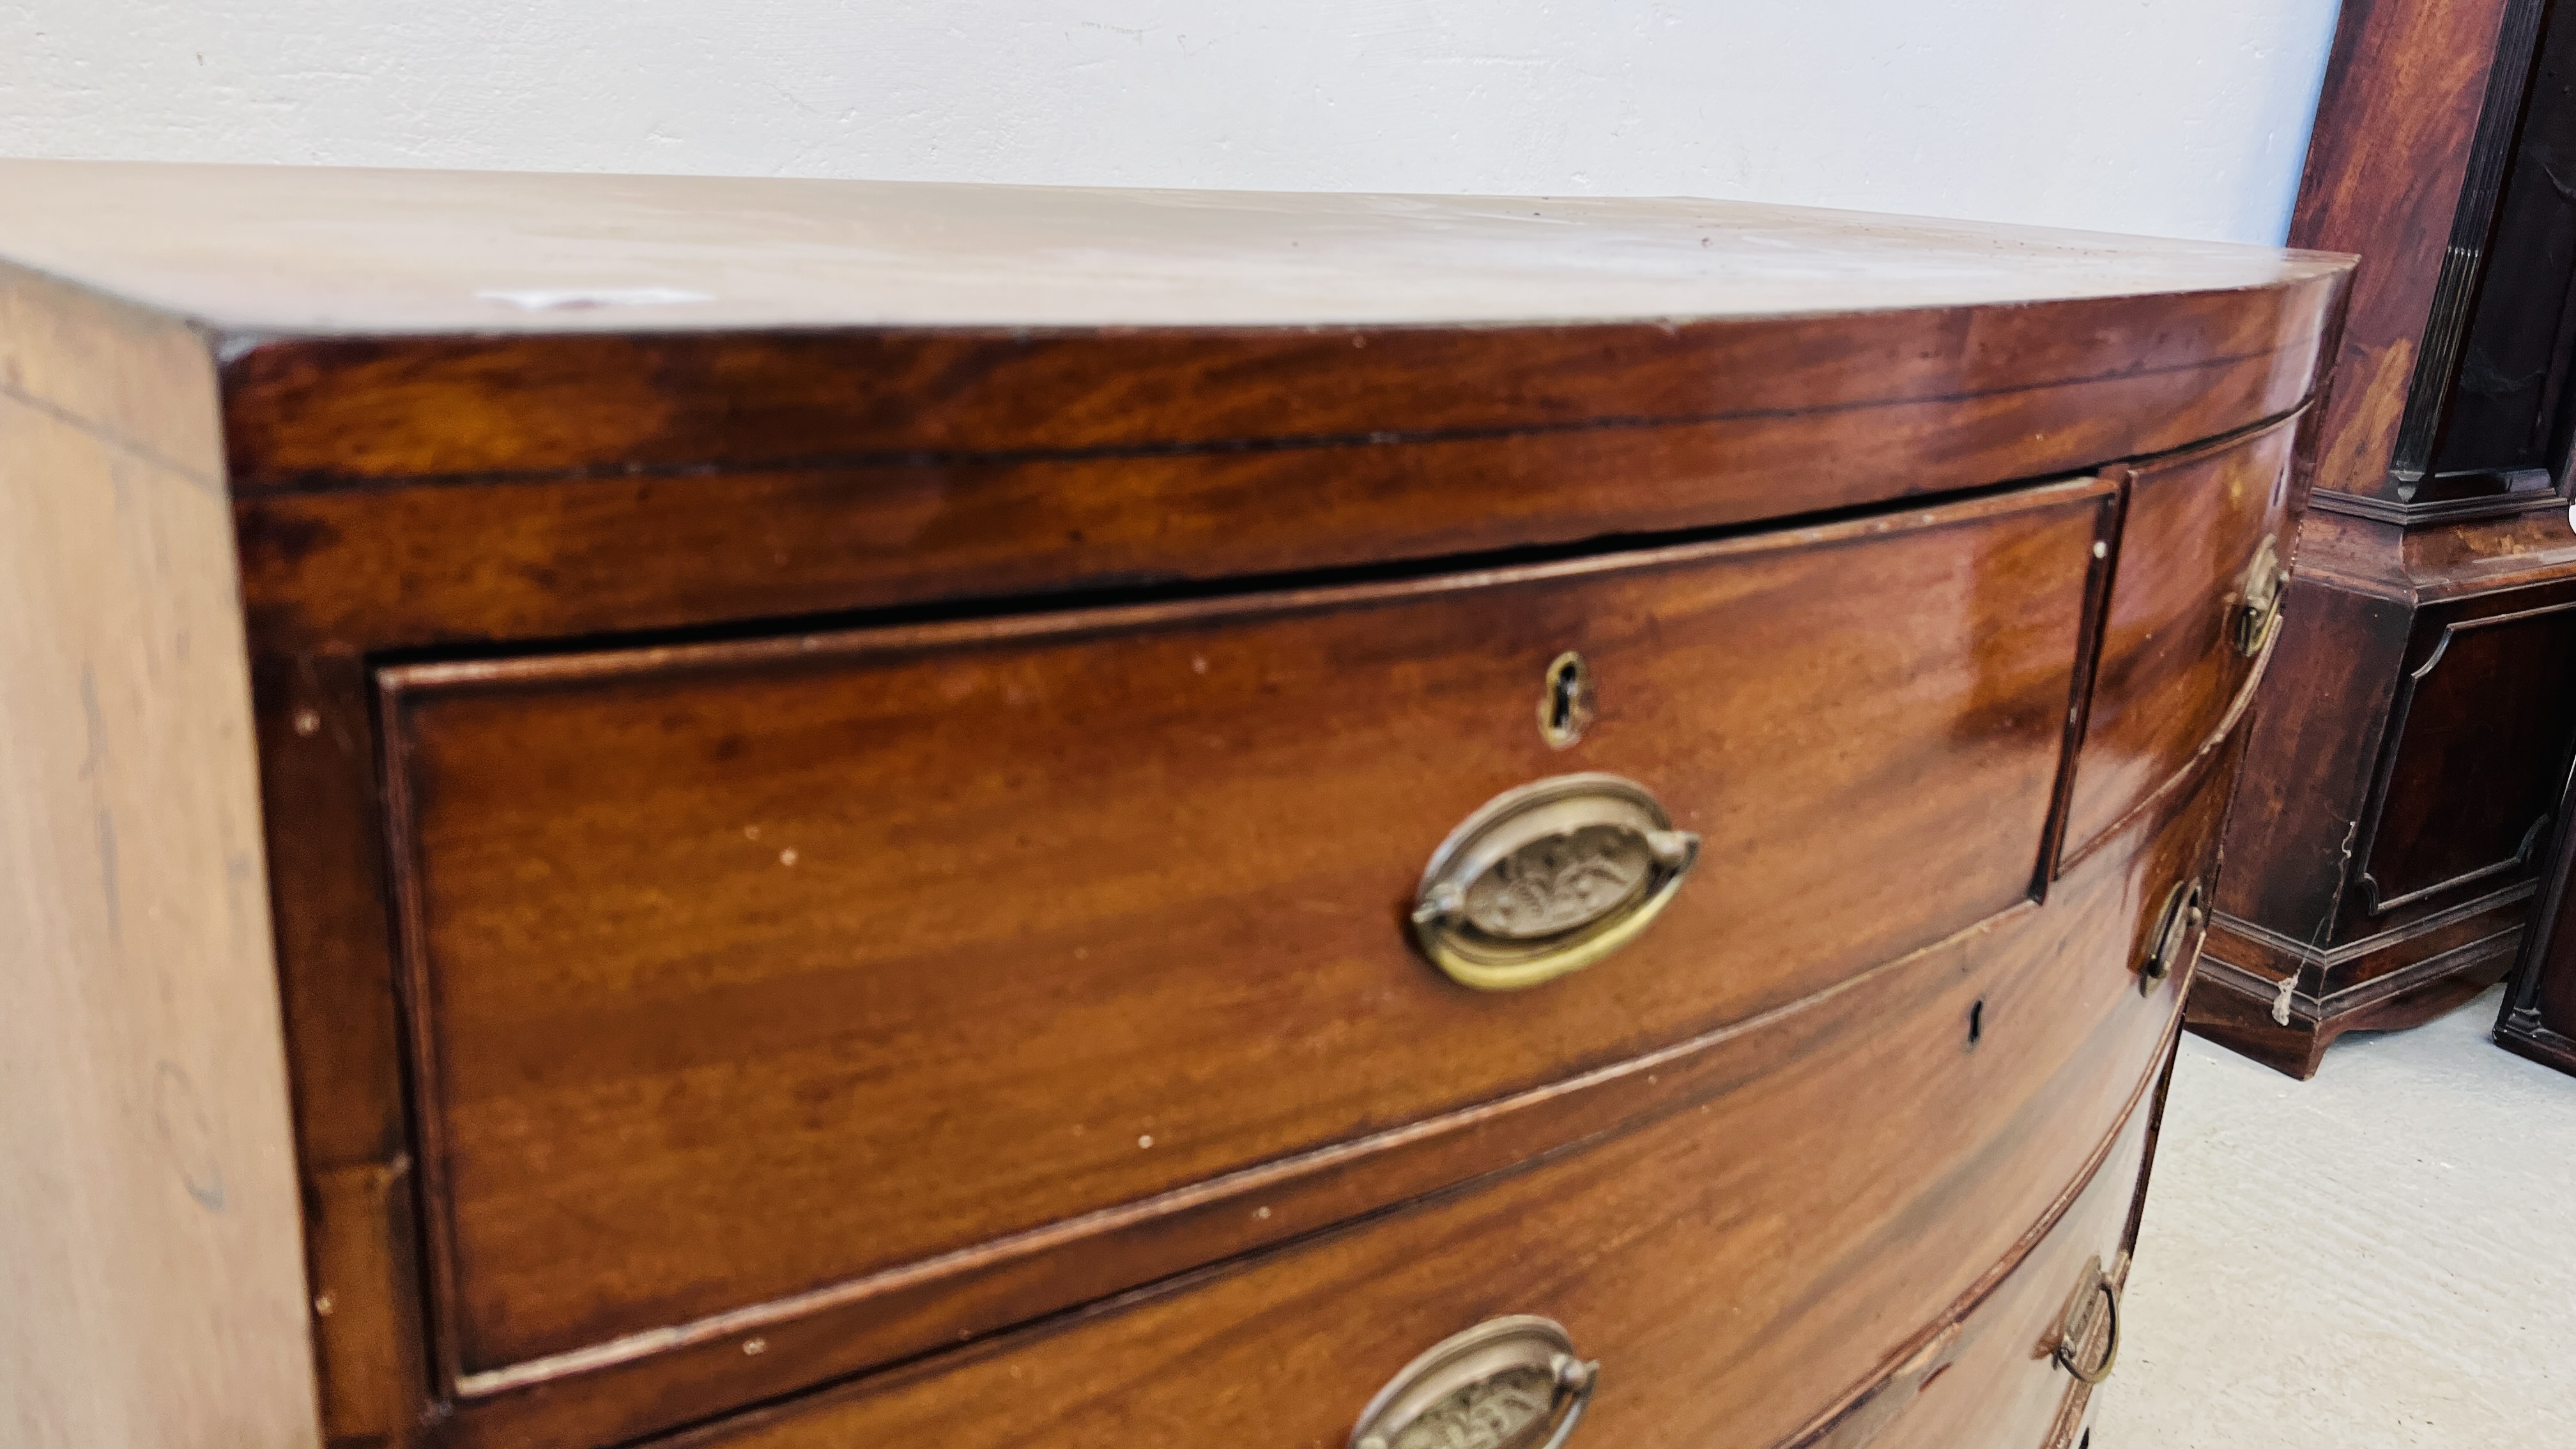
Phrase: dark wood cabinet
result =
(2498, 423)
(698, 812)
(2407, 755)
(2538, 1019)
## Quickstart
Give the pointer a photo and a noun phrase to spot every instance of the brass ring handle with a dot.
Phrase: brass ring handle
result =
(2258, 616)
(2079, 1326)
(1499, 1382)
(1547, 879)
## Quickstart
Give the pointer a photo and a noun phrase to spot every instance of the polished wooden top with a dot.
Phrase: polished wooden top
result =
(298, 250)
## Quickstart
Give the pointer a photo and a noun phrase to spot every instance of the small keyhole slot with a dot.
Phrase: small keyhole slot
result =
(1976, 1023)
(1565, 706)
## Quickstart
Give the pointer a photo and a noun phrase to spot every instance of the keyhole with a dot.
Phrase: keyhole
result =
(1976, 1023)
(1565, 707)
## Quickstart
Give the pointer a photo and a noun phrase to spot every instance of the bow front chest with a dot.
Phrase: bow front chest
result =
(797, 814)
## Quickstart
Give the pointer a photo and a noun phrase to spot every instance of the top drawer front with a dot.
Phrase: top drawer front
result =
(2171, 667)
(740, 970)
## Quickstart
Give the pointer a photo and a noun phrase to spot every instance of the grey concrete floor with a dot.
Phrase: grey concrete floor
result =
(2385, 1255)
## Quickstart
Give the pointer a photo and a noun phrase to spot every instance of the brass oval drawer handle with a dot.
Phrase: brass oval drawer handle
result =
(2178, 930)
(2260, 612)
(1547, 879)
(1500, 1383)
(2098, 1296)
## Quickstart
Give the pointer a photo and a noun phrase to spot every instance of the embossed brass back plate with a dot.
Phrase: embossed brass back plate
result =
(1547, 879)
(1507, 1383)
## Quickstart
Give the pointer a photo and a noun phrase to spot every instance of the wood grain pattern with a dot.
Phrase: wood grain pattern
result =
(1230, 805)
(2169, 668)
(2485, 555)
(2308, 766)
(150, 1266)
(2477, 755)
(2362, 963)
(1480, 437)
(1834, 1213)
(2441, 492)
(1213, 544)
(336, 978)
(2242, 1011)
(2386, 981)
(1996, 1383)
(2390, 149)
(2366, 942)
(319, 413)
(2509, 413)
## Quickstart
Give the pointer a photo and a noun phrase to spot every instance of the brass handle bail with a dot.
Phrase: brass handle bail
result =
(1502, 1382)
(2100, 1291)
(2258, 615)
(1547, 879)
(2179, 928)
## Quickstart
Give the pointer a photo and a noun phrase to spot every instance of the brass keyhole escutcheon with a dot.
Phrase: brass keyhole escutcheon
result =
(1565, 706)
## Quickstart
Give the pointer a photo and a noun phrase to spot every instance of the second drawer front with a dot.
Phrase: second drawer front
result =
(742, 970)
(1737, 1268)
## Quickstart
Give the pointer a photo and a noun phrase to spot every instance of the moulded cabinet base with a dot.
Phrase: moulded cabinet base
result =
(2521, 1033)
(2538, 1019)
(2401, 776)
(2246, 1011)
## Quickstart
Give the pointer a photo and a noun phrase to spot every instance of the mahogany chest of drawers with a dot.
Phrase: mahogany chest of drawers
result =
(808, 814)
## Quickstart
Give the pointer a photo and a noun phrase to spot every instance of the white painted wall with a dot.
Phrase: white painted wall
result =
(2172, 117)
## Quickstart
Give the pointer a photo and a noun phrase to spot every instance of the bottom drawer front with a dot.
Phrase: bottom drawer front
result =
(1997, 1380)
(1735, 1267)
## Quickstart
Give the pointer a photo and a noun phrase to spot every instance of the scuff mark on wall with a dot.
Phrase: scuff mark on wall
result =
(186, 1135)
